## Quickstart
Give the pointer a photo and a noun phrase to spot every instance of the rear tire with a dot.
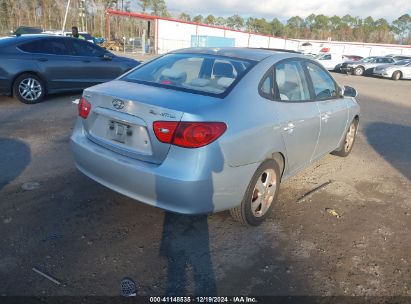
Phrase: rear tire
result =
(348, 143)
(396, 75)
(29, 88)
(260, 196)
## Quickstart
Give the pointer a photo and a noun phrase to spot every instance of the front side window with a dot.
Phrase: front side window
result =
(291, 84)
(45, 46)
(403, 62)
(85, 48)
(323, 85)
(197, 73)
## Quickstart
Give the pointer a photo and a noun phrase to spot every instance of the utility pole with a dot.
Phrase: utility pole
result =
(65, 17)
(82, 15)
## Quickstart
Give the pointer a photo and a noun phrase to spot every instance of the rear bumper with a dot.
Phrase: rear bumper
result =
(187, 182)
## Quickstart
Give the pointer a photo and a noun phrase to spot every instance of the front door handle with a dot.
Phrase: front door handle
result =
(43, 59)
(87, 61)
(289, 128)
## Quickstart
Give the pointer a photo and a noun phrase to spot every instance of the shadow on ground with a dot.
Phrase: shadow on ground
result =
(15, 156)
(397, 149)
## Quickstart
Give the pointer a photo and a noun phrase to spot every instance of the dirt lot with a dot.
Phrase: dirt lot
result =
(88, 237)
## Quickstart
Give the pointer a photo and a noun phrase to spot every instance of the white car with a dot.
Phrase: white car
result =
(399, 70)
(330, 60)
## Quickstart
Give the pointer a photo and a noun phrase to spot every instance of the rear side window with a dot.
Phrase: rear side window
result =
(324, 86)
(85, 48)
(291, 84)
(45, 46)
(197, 73)
(266, 85)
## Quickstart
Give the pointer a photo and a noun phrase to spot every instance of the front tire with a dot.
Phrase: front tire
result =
(396, 75)
(358, 71)
(348, 143)
(260, 196)
(29, 88)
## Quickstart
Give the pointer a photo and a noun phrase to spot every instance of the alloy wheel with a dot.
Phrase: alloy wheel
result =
(264, 192)
(349, 138)
(30, 89)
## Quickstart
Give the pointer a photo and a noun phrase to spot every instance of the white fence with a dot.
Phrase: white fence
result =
(172, 35)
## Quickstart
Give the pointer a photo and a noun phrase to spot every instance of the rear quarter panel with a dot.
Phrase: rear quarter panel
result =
(13, 62)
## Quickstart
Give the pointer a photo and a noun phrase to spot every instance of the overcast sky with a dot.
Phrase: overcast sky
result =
(283, 9)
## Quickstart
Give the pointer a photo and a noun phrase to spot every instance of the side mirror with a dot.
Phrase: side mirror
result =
(349, 91)
(107, 57)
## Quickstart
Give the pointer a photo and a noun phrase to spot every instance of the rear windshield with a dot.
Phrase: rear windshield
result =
(196, 73)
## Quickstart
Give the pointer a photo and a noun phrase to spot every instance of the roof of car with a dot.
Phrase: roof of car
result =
(237, 52)
(27, 37)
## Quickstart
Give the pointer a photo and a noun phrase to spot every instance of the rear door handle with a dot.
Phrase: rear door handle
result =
(290, 127)
(86, 61)
(325, 116)
(43, 59)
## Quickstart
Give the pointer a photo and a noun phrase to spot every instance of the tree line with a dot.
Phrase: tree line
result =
(321, 27)
(49, 14)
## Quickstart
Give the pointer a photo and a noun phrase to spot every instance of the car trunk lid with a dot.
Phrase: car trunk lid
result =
(122, 115)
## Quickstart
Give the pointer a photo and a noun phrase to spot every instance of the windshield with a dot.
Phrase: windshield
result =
(196, 73)
(368, 59)
(325, 57)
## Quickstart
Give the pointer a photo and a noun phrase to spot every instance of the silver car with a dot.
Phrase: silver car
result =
(366, 65)
(399, 70)
(203, 130)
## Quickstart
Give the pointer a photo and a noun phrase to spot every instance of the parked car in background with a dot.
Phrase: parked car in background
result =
(399, 70)
(22, 30)
(398, 57)
(203, 130)
(346, 58)
(346, 66)
(366, 65)
(36, 65)
(330, 61)
(352, 57)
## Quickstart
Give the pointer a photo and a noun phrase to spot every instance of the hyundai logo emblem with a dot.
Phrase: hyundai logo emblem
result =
(118, 104)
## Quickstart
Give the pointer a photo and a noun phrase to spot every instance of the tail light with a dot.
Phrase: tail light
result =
(84, 108)
(188, 134)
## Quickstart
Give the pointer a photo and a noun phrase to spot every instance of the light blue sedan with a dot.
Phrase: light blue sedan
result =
(203, 130)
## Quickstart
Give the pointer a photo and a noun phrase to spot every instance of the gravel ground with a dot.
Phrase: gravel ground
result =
(88, 237)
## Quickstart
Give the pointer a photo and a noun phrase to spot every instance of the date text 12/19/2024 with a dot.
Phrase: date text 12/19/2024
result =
(239, 299)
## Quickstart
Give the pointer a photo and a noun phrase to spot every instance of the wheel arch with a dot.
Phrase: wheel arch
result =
(398, 71)
(280, 159)
(28, 72)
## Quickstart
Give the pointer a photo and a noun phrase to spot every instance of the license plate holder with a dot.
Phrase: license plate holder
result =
(118, 131)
